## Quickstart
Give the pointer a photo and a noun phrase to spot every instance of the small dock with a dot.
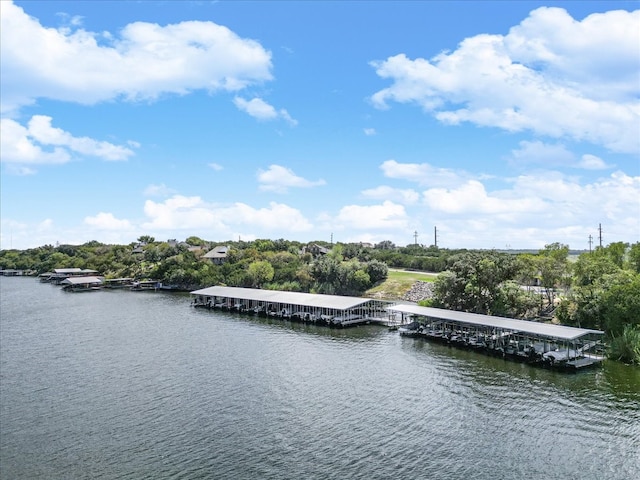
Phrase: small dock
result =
(118, 283)
(145, 286)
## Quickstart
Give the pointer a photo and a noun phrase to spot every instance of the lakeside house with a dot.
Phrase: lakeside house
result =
(315, 249)
(217, 255)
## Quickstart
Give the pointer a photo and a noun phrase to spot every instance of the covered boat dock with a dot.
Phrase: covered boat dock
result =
(81, 284)
(555, 346)
(331, 310)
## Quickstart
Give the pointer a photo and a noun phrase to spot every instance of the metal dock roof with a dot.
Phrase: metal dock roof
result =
(521, 326)
(291, 298)
(81, 280)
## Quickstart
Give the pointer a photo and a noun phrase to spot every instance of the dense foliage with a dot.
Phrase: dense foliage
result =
(343, 269)
(272, 264)
(599, 289)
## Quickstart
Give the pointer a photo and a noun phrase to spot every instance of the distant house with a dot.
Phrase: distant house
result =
(175, 243)
(218, 255)
(315, 249)
(139, 248)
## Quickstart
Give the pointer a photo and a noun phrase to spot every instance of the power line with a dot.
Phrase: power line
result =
(600, 233)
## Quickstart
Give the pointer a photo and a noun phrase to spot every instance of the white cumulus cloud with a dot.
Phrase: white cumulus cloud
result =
(261, 110)
(194, 214)
(592, 162)
(472, 197)
(106, 221)
(551, 75)
(385, 216)
(142, 61)
(279, 179)
(39, 143)
(423, 173)
(405, 196)
(553, 155)
(537, 208)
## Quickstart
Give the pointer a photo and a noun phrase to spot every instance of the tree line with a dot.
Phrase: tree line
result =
(345, 269)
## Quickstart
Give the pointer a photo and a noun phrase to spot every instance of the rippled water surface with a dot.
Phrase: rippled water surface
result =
(119, 384)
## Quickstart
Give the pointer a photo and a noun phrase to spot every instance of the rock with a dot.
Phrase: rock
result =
(419, 291)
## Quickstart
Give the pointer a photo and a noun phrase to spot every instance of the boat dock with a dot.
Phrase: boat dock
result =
(542, 344)
(81, 284)
(118, 282)
(329, 310)
(145, 286)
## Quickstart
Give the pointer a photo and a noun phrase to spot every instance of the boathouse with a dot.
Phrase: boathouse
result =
(332, 310)
(532, 342)
(60, 274)
(81, 284)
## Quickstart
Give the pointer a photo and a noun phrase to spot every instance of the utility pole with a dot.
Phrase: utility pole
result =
(415, 237)
(331, 238)
(590, 242)
(600, 232)
(435, 236)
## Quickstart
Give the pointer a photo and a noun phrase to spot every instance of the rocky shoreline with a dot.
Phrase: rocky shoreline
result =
(419, 291)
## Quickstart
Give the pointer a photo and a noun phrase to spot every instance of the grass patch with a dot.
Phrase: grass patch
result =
(398, 282)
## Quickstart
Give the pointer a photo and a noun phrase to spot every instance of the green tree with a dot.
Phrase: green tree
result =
(377, 271)
(195, 241)
(590, 267)
(620, 302)
(473, 282)
(616, 252)
(634, 257)
(385, 245)
(260, 272)
(359, 281)
(553, 265)
(626, 346)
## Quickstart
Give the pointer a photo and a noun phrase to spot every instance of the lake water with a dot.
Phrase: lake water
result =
(120, 384)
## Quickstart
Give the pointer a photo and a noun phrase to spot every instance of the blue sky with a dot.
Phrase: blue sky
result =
(502, 124)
